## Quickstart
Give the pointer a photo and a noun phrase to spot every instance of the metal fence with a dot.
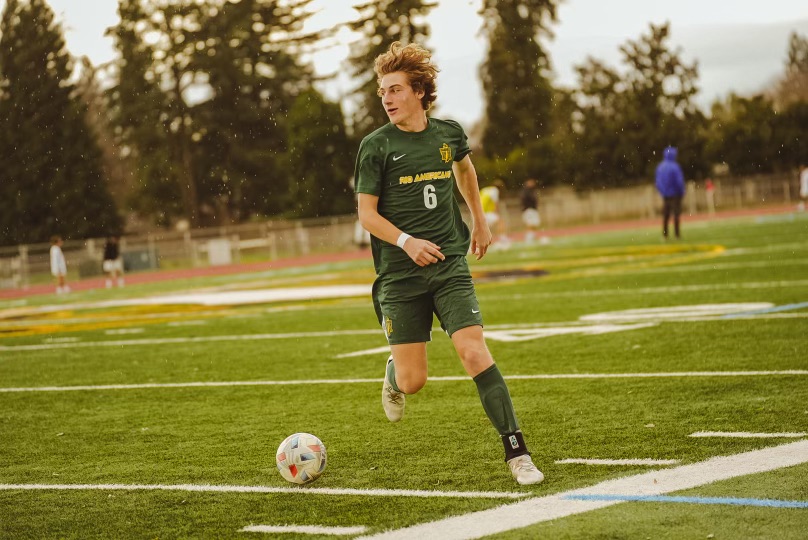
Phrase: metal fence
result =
(269, 240)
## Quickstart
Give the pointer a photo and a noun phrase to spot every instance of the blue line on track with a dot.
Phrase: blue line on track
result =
(775, 309)
(774, 503)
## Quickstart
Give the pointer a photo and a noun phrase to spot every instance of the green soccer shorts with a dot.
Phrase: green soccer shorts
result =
(405, 300)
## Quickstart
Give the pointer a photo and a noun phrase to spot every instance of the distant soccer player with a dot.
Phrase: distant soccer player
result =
(530, 209)
(113, 264)
(491, 200)
(405, 173)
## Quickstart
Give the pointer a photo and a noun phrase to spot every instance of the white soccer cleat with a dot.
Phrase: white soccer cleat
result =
(392, 401)
(524, 471)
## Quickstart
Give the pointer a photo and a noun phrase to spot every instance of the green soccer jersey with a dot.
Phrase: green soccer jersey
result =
(411, 173)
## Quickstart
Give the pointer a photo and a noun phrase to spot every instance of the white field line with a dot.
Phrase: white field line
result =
(304, 529)
(513, 335)
(202, 339)
(205, 488)
(710, 267)
(61, 340)
(785, 284)
(747, 435)
(123, 331)
(792, 247)
(377, 350)
(584, 328)
(536, 510)
(546, 376)
(106, 317)
(649, 462)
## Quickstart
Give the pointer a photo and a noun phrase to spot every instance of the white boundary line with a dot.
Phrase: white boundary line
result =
(207, 488)
(304, 529)
(547, 376)
(536, 510)
(657, 290)
(492, 332)
(747, 435)
(180, 340)
(649, 462)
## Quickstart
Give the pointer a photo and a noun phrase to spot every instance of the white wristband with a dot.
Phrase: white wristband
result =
(401, 239)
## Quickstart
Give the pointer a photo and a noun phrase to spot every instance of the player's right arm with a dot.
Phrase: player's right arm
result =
(422, 252)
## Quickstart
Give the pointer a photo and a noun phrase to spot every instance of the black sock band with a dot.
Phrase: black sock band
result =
(514, 445)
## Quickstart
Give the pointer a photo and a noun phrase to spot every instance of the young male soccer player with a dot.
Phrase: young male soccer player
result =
(405, 173)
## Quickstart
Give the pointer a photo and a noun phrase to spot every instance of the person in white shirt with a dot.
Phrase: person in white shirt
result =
(803, 187)
(58, 265)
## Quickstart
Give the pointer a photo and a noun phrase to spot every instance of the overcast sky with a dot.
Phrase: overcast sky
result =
(740, 44)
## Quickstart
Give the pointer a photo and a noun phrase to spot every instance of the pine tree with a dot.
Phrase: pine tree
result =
(255, 77)
(317, 136)
(381, 22)
(625, 119)
(515, 78)
(793, 86)
(52, 174)
(134, 105)
(203, 104)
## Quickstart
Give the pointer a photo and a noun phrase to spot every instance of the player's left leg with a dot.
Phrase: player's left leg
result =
(496, 400)
(457, 308)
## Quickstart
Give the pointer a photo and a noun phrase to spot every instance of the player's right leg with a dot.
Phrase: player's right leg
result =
(404, 310)
(405, 373)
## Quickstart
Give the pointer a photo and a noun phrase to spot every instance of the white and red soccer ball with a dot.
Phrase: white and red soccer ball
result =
(301, 458)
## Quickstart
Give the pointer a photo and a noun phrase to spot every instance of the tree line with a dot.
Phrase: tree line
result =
(210, 113)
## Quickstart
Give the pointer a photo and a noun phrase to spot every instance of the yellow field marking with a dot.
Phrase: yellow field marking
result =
(608, 260)
(103, 319)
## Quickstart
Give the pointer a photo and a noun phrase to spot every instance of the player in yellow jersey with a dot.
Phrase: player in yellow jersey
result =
(491, 199)
(405, 174)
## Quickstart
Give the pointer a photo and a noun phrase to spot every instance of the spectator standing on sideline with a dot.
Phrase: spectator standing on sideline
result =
(406, 172)
(58, 265)
(113, 264)
(709, 191)
(803, 187)
(670, 182)
(530, 209)
(491, 199)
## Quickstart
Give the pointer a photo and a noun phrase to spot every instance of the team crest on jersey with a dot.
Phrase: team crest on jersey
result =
(446, 153)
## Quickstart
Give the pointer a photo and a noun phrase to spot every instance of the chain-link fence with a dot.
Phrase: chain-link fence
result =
(23, 265)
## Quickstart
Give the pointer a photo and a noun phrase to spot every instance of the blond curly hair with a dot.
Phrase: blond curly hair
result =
(416, 63)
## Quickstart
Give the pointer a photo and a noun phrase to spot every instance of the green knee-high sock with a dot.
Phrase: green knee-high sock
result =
(391, 375)
(496, 400)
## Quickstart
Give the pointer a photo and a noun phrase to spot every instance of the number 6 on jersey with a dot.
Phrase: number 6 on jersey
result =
(430, 199)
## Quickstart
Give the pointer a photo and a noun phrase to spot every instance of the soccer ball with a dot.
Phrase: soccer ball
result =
(301, 458)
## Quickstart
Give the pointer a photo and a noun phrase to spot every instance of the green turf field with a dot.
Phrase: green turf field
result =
(622, 348)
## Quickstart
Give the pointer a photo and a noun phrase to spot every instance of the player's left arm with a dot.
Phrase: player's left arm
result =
(466, 177)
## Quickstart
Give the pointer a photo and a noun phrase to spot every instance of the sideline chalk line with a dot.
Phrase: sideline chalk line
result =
(649, 462)
(733, 501)
(304, 529)
(537, 510)
(547, 376)
(748, 435)
(207, 488)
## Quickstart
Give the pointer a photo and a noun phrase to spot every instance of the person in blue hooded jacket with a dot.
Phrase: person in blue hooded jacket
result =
(670, 182)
